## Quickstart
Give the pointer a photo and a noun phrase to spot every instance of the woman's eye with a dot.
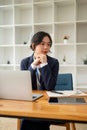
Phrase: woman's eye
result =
(49, 44)
(42, 43)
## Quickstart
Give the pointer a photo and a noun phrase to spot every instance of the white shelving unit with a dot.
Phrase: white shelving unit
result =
(19, 19)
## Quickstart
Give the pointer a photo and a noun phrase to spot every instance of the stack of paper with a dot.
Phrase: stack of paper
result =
(65, 93)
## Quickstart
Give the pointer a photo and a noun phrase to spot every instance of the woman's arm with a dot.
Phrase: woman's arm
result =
(49, 74)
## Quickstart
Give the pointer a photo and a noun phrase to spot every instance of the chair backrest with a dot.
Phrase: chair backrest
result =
(64, 82)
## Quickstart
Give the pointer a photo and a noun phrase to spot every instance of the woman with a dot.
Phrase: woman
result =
(44, 70)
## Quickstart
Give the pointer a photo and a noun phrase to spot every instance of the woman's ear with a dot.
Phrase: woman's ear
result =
(33, 46)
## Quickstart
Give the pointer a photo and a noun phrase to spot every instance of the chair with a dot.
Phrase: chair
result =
(64, 82)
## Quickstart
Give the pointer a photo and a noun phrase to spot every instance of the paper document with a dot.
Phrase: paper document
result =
(65, 93)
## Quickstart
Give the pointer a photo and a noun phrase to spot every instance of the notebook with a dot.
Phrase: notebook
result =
(16, 85)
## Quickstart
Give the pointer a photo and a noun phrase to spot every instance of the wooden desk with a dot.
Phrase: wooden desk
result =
(42, 109)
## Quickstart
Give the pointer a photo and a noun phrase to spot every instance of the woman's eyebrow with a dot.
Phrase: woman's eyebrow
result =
(46, 42)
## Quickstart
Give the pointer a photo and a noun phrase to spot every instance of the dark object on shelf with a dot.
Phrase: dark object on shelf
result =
(64, 59)
(85, 61)
(25, 42)
(8, 62)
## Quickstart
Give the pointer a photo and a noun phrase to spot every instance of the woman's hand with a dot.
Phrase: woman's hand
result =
(41, 58)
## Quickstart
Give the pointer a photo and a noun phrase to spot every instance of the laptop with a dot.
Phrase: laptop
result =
(16, 85)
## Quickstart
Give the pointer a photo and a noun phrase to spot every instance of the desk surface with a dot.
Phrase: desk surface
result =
(42, 109)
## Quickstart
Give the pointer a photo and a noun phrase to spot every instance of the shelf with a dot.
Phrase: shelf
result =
(6, 15)
(81, 53)
(81, 9)
(68, 70)
(42, 1)
(6, 67)
(44, 27)
(23, 14)
(81, 31)
(20, 19)
(41, 13)
(22, 1)
(64, 11)
(81, 65)
(6, 54)
(6, 2)
(4, 36)
(22, 34)
(21, 52)
(60, 30)
(64, 44)
(82, 76)
(67, 51)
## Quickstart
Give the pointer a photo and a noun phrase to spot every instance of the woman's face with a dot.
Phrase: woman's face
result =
(44, 46)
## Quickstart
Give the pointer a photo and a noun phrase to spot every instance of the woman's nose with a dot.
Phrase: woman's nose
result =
(46, 46)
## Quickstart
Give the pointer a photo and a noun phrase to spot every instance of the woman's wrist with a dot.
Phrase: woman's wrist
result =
(33, 66)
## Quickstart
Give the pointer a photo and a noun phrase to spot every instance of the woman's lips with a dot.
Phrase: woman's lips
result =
(45, 51)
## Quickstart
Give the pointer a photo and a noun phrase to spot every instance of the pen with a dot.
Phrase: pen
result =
(56, 92)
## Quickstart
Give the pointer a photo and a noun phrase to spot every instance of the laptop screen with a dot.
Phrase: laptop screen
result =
(16, 85)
